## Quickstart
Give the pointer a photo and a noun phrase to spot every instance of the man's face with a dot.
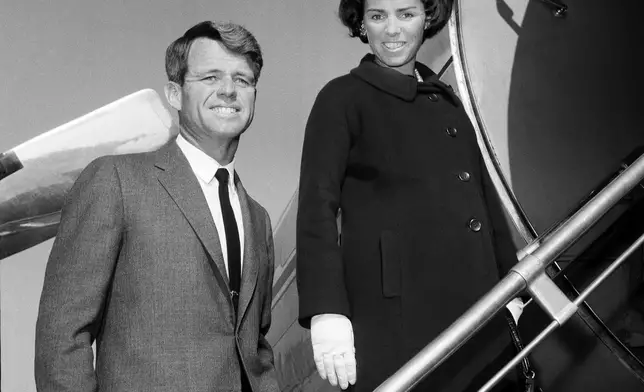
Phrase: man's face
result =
(218, 94)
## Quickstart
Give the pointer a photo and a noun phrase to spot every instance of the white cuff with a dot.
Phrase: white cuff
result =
(516, 308)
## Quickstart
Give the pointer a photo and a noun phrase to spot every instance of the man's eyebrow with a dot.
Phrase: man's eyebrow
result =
(206, 71)
(249, 75)
(217, 70)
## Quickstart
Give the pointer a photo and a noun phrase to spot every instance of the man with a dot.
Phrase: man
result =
(162, 258)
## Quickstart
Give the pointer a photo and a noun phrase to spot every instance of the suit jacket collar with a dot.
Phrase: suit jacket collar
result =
(402, 86)
(177, 177)
(253, 231)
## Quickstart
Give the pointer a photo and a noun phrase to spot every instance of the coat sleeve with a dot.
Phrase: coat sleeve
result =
(77, 280)
(504, 248)
(320, 271)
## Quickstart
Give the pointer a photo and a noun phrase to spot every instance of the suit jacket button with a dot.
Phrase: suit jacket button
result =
(433, 97)
(451, 131)
(464, 176)
(475, 225)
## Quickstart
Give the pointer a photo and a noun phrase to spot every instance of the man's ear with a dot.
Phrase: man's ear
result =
(173, 94)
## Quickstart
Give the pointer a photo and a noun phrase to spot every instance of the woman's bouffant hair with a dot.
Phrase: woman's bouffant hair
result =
(437, 12)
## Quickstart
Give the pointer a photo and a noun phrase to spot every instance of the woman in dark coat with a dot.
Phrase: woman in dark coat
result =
(422, 231)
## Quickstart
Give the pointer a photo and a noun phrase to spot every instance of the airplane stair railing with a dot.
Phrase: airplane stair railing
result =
(600, 330)
(530, 274)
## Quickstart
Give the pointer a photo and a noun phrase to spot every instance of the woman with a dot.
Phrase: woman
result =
(422, 234)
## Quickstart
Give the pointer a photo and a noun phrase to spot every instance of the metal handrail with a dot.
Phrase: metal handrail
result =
(527, 273)
(555, 324)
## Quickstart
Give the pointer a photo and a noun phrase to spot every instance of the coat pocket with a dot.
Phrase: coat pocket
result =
(391, 254)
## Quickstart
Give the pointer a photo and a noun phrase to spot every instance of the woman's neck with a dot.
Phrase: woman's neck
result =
(405, 69)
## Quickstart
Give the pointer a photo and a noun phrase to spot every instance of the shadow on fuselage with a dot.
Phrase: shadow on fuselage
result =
(573, 115)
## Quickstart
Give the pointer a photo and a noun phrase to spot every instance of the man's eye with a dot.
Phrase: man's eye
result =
(242, 82)
(210, 79)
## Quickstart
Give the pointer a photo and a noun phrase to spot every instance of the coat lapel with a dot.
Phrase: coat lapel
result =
(178, 179)
(253, 231)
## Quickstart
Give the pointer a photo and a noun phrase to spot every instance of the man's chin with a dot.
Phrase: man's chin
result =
(228, 133)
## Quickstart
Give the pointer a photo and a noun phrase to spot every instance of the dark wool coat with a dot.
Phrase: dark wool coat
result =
(423, 232)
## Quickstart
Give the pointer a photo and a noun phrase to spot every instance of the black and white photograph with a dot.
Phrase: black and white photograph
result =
(322, 195)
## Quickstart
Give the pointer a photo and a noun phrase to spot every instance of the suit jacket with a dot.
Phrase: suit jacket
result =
(137, 266)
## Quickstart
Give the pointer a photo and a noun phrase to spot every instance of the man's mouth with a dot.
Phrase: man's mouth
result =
(225, 110)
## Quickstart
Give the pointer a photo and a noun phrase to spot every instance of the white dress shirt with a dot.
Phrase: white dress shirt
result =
(205, 168)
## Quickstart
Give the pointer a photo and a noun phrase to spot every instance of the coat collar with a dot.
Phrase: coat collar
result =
(402, 86)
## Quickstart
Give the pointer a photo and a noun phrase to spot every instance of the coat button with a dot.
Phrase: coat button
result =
(464, 176)
(451, 131)
(433, 97)
(475, 225)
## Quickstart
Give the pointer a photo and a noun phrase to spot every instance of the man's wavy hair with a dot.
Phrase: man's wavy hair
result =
(437, 12)
(232, 36)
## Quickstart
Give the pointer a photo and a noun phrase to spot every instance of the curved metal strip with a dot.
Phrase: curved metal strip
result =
(511, 204)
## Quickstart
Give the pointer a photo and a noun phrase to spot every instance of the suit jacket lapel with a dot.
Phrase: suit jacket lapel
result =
(178, 179)
(253, 231)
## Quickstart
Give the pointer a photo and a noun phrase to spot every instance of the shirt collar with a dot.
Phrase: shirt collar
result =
(202, 164)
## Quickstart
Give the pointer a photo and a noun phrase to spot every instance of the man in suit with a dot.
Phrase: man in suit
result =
(162, 258)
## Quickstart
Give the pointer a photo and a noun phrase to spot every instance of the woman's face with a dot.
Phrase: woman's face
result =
(395, 31)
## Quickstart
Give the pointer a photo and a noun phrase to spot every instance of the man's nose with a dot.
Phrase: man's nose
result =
(227, 88)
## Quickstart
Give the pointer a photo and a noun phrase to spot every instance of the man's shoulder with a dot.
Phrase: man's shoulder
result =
(128, 160)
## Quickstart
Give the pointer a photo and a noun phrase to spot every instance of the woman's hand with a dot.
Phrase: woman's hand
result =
(333, 349)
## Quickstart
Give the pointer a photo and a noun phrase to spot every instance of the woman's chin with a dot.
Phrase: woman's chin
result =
(393, 61)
